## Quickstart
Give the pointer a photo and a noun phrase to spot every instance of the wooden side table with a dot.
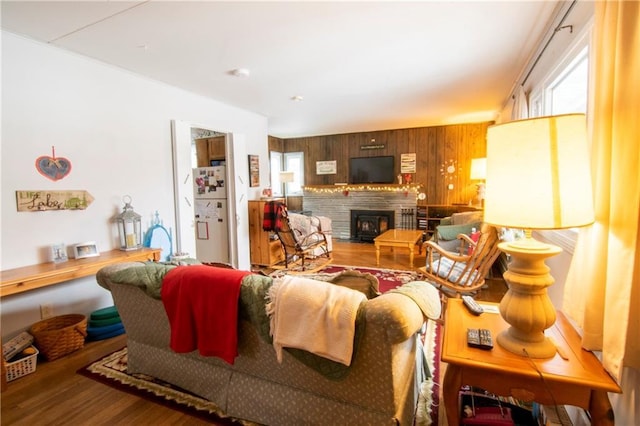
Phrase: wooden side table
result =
(580, 380)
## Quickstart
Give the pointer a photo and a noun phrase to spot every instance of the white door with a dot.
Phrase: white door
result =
(236, 193)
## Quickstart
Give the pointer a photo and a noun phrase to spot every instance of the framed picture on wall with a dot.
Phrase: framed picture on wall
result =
(254, 170)
(326, 167)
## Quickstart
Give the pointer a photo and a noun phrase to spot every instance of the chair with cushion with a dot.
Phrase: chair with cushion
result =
(446, 233)
(462, 273)
(300, 247)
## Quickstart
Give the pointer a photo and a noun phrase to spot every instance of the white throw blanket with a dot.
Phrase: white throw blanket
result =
(315, 316)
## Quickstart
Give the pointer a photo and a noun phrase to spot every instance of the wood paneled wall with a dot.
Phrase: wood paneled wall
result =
(435, 148)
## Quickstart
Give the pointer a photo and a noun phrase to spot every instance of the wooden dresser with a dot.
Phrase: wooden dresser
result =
(265, 249)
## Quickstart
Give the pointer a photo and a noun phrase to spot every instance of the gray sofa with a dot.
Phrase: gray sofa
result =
(380, 387)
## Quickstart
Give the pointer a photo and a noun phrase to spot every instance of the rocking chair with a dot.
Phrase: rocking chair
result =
(462, 273)
(299, 248)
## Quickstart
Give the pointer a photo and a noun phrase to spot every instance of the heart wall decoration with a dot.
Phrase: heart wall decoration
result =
(52, 167)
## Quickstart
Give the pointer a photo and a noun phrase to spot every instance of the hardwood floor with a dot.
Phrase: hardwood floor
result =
(56, 395)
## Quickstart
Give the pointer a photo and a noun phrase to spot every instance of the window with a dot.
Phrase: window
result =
(290, 162)
(564, 91)
(568, 92)
(294, 162)
(276, 162)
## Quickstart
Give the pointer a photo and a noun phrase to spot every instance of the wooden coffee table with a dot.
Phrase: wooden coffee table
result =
(399, 238)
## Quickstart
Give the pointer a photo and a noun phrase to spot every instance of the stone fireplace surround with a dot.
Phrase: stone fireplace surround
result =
(337, 205)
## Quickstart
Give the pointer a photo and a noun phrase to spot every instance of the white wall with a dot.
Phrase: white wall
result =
(115, 128)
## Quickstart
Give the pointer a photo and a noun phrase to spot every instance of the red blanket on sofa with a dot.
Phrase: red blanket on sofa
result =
(202, 305)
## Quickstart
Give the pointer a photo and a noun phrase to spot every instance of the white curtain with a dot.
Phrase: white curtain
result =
(602, 290)
(520, 109)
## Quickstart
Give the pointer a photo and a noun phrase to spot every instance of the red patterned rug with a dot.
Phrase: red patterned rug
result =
(388, 278)
(111, 370)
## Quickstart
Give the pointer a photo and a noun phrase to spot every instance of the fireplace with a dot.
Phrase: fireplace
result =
(368, 224)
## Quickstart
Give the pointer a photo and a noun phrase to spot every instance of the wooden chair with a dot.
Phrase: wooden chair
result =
(462, 273)
(299, 248)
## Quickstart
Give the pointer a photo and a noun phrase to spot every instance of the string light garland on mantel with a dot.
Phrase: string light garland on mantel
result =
(332, 189)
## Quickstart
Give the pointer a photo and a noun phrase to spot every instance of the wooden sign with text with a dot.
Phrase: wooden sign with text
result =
(38, 201)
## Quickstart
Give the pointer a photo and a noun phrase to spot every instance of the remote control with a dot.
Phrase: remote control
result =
(14, 346)
(473, 337)
(486, 342)
(479, 338)
(472, 305)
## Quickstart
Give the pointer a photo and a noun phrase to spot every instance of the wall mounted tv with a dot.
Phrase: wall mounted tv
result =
(371, 170)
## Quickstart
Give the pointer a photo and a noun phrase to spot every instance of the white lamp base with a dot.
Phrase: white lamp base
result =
(526, 305)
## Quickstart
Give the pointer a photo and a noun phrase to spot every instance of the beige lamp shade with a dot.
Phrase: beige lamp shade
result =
(538, 174)
(478, 169)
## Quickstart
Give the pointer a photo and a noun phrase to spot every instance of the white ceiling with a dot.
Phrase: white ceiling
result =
(360, 66)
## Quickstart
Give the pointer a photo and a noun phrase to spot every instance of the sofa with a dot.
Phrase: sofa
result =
(380, 387)
(312, 225)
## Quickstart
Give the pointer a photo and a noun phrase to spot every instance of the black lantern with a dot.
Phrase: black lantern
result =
(129, 227)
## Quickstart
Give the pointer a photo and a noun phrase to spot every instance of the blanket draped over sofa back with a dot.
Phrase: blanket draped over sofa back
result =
(315, 316)
(202, 307)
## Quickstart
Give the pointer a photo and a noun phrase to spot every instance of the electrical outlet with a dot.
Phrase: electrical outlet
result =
(46, 310)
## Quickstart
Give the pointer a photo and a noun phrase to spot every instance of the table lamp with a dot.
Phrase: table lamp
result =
(479, 172)
(538, 177)
(285, 178)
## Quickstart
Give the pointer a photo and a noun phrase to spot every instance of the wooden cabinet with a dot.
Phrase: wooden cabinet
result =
(429, 216)
(265, 248)
(208, 149)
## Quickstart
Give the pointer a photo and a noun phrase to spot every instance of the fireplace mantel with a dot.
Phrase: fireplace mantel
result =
(374, 187)
(337, 201)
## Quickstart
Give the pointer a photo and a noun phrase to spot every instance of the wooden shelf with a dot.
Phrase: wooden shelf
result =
(30, 277)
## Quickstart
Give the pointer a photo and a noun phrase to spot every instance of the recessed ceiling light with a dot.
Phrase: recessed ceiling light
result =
(240, 72)
(297, 98)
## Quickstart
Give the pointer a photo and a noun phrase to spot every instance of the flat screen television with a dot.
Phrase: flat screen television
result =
(371, 170)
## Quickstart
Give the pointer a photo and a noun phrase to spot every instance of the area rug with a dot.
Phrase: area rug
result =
(111, 370)
(388, 278)
(429, 397)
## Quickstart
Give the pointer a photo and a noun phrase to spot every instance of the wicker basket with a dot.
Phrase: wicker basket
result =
(22, 367)
(58, 336)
